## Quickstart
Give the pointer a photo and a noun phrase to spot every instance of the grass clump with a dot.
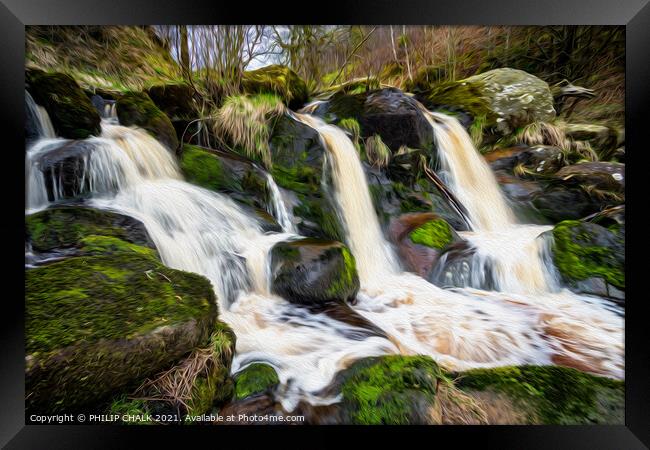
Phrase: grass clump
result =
(352, 126)
(377, 152)
(247, 123)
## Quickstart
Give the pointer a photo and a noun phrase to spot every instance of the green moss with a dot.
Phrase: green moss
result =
(66, 226)
(255, 379)
(299, 178)
(552, 394)
(435, 234)
(578, 257)
(351, 125)
(137, 108)
(388, 390)
(206, 170)
(107, 297)
(123, 406)
(73, 115)
(321, 213)
(94, 244)
(467, 96)
(348, 279)
(276, 79)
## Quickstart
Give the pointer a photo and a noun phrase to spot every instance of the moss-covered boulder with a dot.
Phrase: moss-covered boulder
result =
(225, 172)
(73, 115)
(312, 271)
(390, 390)
(420, 239)
(66, 227)
(175, 100)
(137, 109)
(583, 251)
(549, 395)
(504, 98)
(95, 325)
(277, 79)
(255, 379)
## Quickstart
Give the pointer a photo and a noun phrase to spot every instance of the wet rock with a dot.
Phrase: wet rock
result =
(255, 379)
(311, 271)
(279, 80)
(137, 108)
(97, 325)
(64, 169)
(604, 176)
(73, 115)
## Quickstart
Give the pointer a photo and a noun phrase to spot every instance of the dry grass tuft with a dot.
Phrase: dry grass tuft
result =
(377, 152)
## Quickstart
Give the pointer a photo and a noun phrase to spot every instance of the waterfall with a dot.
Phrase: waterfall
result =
(277, 208)
(38, 115)
(509, 252)
(109, 113)
(373, 254)
(467, 327)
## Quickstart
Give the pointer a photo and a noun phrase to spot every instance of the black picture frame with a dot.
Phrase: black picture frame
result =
(15, 14)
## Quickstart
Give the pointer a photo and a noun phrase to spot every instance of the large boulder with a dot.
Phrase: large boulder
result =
(175, 100)
(279, 80)
(604, 176)
(100, 324)
(390, 113)
(137, 109)
(583, 251)
(506, 98)
(314, 272)
(73, 115)
(604, 140)
(548, 395)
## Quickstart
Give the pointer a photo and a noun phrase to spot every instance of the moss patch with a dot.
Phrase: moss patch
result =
(206, 170)
(584, 250)
(468, 97)
(137, 108)
(255, 379)
(278, 80)
(553, 395)
(435, 234)
(393, 390)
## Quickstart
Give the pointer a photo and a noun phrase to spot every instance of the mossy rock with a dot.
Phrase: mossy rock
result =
(390, 390)
(552, 395)
(277, 79)
(175, 100)
(313, 272)
(584, 250)
(73, 115)
(137, 109)
(99, 324)
(505, 98)
(255, 379)
(435, 234)
(66, 227)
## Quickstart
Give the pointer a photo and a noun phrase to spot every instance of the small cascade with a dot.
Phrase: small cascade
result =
(109, 113)
(38, 116)
(277, 207)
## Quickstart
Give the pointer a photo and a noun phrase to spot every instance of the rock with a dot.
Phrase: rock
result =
(507, 98)
(312, 271)
(137, 108)
(64, 227)
(558, 202)
(548, 395)
(298, 162)
(420, 238)
(603, 140)
(64, 169)
(517, 189)
(73, 115)
(279, 80)
(604, 176)
(255, 379)
(389, 390)
(583, 250)
(608, 217)
(98, 325)
(175, 100)
(389, 113)
(540, 160)
(225, 172)
(454, 268)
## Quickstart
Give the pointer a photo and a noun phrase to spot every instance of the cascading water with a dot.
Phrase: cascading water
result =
(206, 232)
(509, 252)
(277, 207)
(466, 328)
(37, 115)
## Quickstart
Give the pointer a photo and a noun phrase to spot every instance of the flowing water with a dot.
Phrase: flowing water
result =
(206, 232)
(277, 207)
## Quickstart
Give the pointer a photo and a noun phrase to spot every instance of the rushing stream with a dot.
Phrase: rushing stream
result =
(528, 319)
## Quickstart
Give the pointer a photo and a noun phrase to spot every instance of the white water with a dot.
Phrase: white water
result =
(277, 207)
(468, 327)
(205, 232)
(45, 128)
